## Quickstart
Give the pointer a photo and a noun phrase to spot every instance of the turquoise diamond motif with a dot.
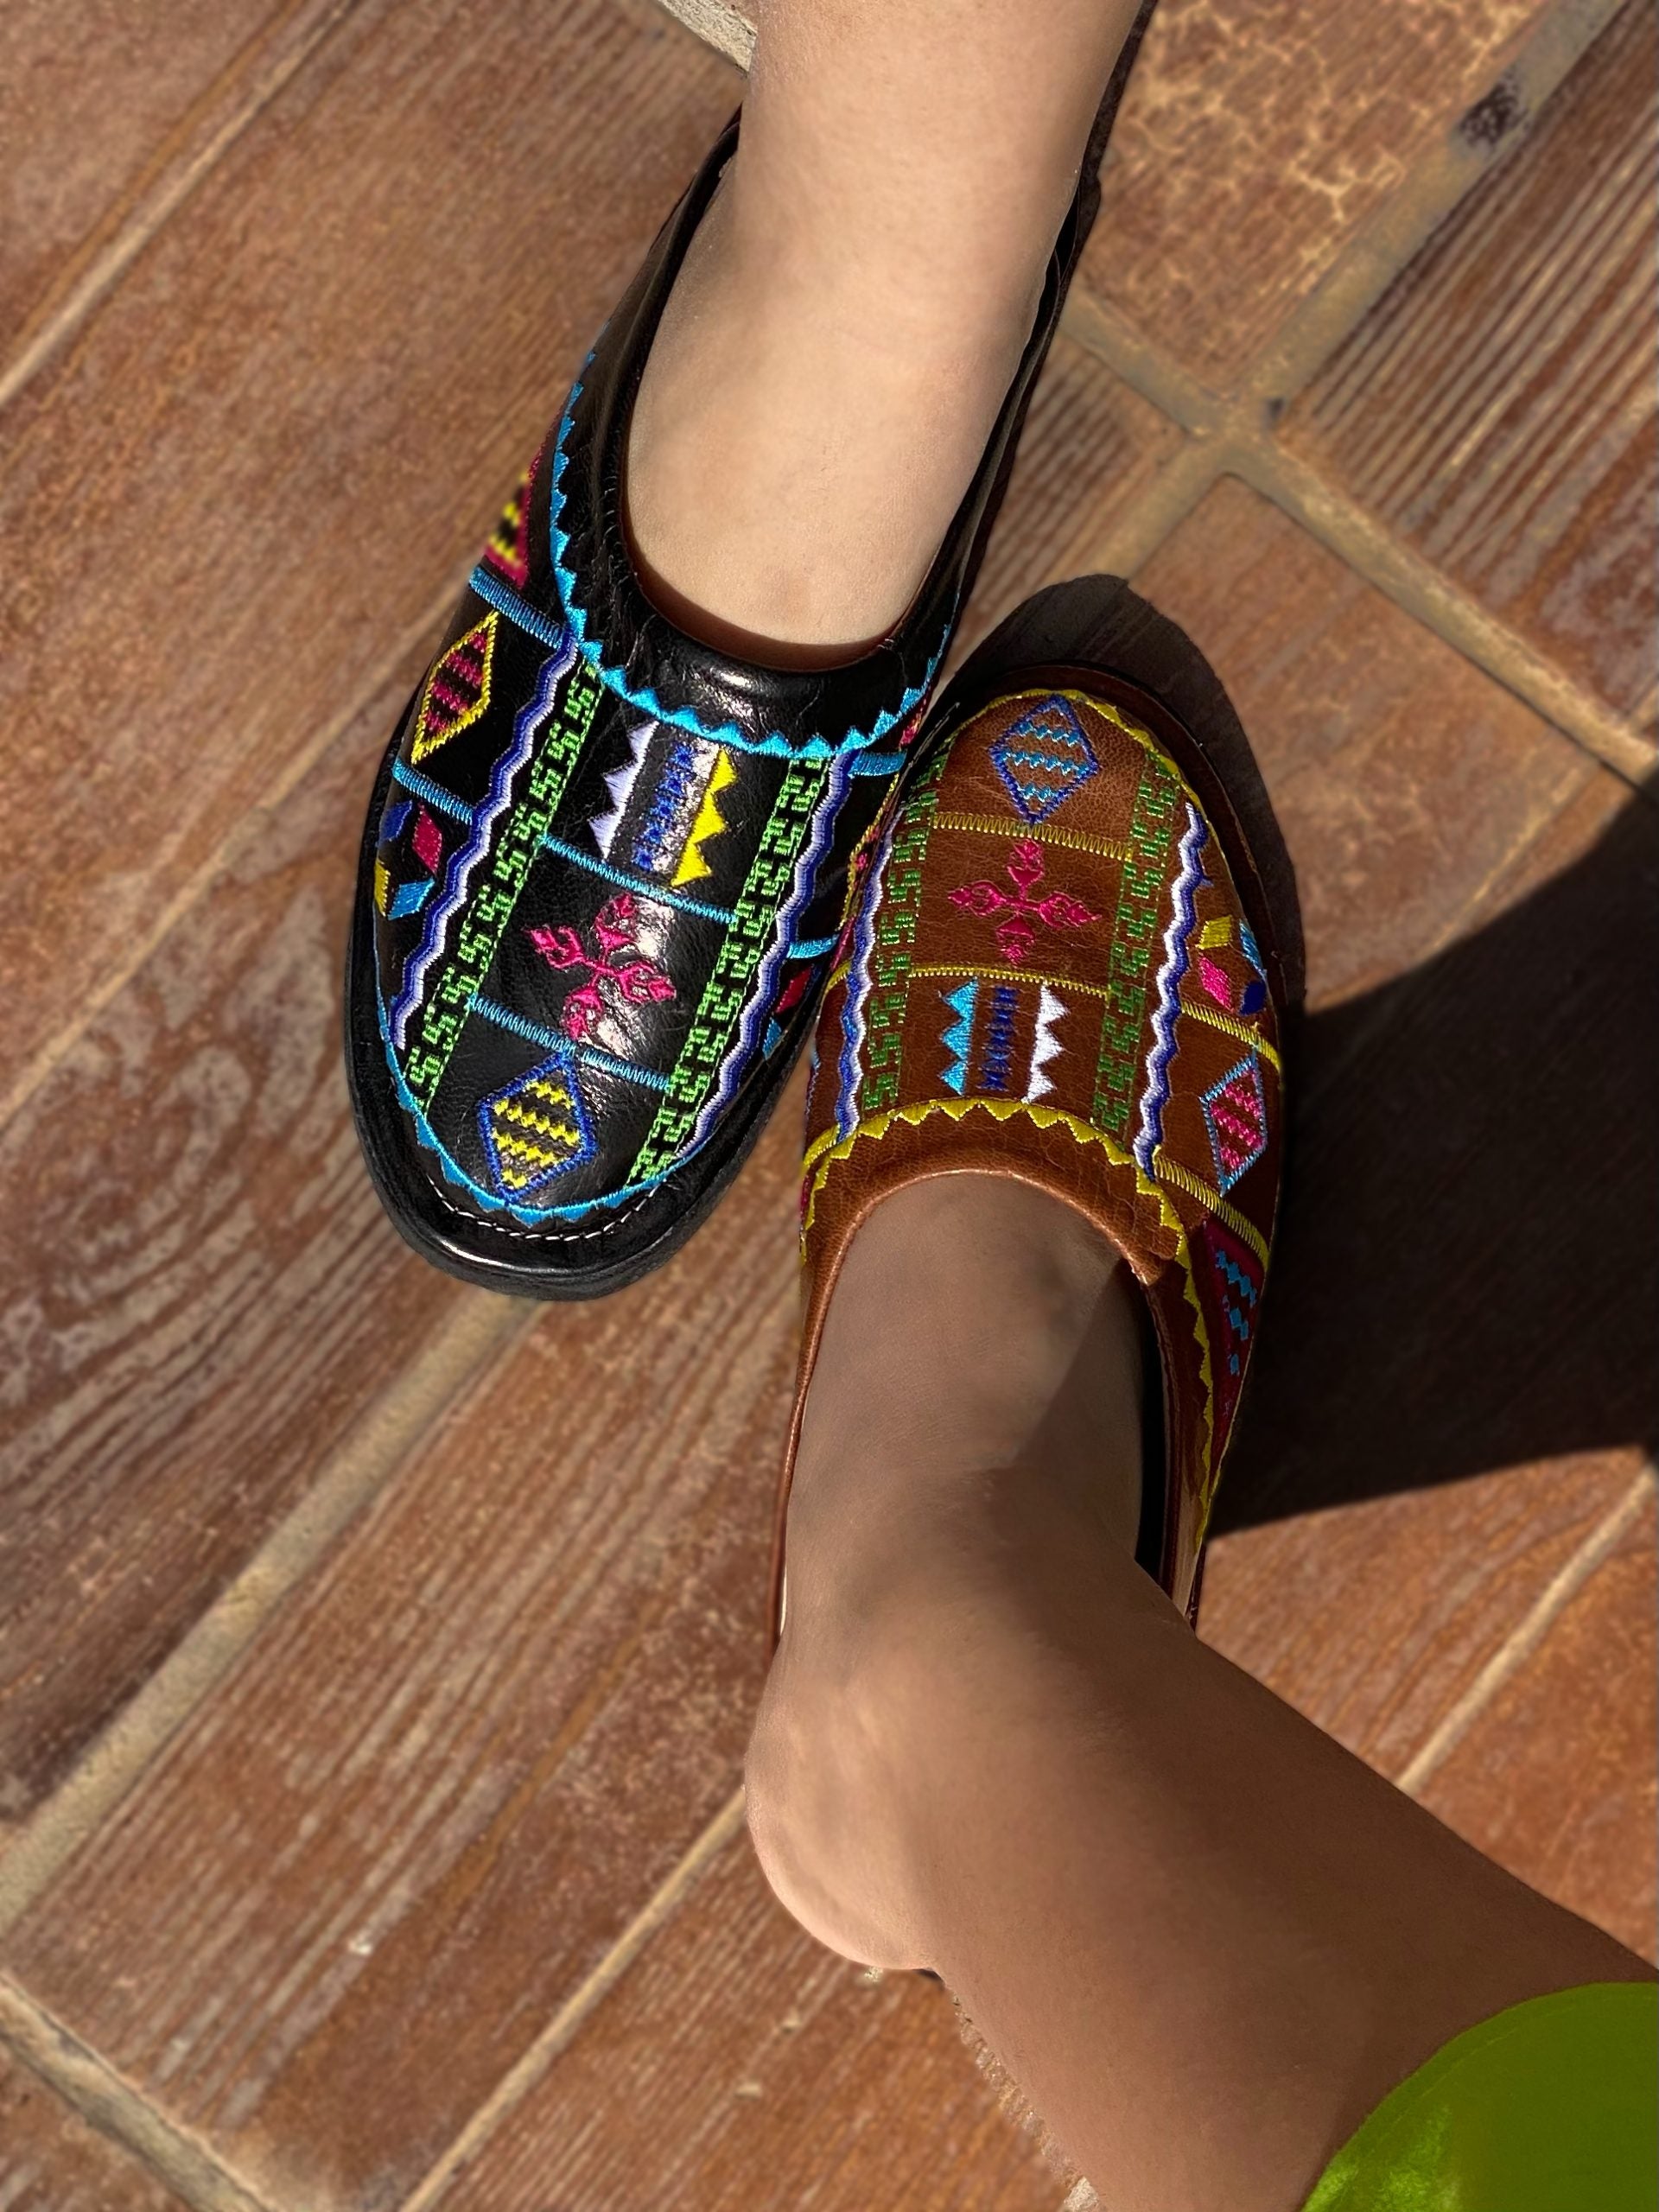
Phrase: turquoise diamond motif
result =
(1044, 758)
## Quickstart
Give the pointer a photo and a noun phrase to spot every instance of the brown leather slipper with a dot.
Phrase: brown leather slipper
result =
(1064, 959)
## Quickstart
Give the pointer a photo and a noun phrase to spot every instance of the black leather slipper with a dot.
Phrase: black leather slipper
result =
(605, 865)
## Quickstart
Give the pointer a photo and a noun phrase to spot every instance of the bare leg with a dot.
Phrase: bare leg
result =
(1203, 1938)
(854, 307)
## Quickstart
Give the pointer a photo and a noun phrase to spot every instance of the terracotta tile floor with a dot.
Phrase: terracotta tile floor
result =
(369, 1826)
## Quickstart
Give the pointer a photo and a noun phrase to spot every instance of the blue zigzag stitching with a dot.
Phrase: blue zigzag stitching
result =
(615, 679)
(766, 979)
(1156, 1095)
(858, 991)
(999, 1043)
(457, 1175)
(465, 857)
(959, 1037)
(519, 611)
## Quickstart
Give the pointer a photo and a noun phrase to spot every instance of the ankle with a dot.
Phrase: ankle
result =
(829, 1776)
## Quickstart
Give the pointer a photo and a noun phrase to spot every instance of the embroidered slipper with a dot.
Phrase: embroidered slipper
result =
(1072, 960)
(604, 864)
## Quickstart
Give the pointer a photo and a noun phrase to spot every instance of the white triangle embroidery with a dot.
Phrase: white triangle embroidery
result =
(1046, 1046)
(620, 784)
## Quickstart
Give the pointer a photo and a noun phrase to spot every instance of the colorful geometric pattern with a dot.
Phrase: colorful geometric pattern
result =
(409, 898)
(895, 936)
(507, 550)
(537, 1127)
(1085, 1052)
(710, 823)
(457, 691)
(1045, 758)
(1215, 981)
(1017, 932)
(634, 982)
(553, 741)
(958, 1038)
(756, 922)
(855, 1003)
(1155, 1085)
(1044, 1046)
(999, 1038)
(1236, 1115)
(1233, 1280)
(815, 833)
(426, 841)
(619, 784)
(661, 840)
(1133, 934)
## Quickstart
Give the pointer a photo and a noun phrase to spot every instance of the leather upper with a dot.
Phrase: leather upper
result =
(611, 862)
(1049, 973)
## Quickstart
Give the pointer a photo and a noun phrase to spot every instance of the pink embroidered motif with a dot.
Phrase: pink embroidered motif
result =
(636, 981)
(427, 840)
(1216, 982)
(1016, 935)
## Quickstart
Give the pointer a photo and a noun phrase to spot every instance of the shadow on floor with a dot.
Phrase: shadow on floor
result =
(1466, 1276)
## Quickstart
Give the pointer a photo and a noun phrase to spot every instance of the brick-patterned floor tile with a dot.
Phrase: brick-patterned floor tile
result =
(292, 423)
(95, 109)
(1499, 406)
(52, 2161)
(360, 1880)
(1404, 778)
(1373, 1617)
(1089, 449)
(198, 1287)
(740, 2067)
(1257, 137)
(1556, 1775)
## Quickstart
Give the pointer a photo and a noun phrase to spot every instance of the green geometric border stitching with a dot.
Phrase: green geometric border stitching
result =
(495, 895)
(1132, 927)
(895, 941)
(753, 922)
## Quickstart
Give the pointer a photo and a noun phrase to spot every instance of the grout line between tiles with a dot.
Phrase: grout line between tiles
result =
(1419, 590)
(517, 2083)
(1177, 489)
(1397, 231)
(1232, 437)
(156, 207)
(367, 1458)
(1373, 553)
(92, 2087)
(1527, 1633)
(139, 945)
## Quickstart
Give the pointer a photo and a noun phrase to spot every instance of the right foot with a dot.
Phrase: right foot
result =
(805, 430)
(845, 327)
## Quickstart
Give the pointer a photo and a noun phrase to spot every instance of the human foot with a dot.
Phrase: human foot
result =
(981, 1348)
(974, 1407)
(850, 317)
